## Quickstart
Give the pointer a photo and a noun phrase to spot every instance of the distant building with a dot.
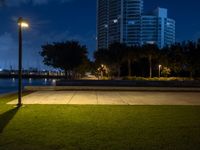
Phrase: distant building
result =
(124, 21)
(157, 28)
(102, 21)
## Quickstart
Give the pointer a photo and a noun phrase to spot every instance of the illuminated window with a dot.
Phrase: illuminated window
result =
(131, 22)
(115, 21)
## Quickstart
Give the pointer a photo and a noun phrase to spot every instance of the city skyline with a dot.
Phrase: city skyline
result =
(66, 23)
(126, 21)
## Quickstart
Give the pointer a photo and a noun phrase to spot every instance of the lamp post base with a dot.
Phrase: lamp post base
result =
(19, 106)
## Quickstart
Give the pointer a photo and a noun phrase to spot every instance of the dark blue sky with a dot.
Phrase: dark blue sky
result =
(60, 20)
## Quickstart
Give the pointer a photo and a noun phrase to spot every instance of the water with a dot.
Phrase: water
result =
(11, 85)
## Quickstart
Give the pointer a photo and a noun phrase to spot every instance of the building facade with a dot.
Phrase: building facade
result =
(124, 21)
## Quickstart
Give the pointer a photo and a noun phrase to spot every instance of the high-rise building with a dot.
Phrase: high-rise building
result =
(124, 21)
(102, 21)
(131, 18)
(157, 28)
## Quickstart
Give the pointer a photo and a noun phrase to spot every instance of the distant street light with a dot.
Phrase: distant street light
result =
(102, 69)
(159, 70)
(22, 24)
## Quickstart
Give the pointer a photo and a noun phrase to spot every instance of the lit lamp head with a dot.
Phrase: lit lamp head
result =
(23, 23)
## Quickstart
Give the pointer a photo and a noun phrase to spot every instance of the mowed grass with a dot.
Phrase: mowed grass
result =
(63, 127)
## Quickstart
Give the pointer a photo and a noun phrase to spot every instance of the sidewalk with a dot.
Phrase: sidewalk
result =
(112, 98)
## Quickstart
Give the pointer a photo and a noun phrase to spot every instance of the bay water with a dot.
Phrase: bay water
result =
(11, 84)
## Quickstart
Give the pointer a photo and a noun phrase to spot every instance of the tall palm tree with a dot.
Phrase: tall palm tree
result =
(176, 57)
(116, 55)
(192, 54)
(131, 55)
(150, 51)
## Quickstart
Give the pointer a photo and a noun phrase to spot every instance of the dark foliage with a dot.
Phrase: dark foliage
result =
(183, 59)
(69, 56)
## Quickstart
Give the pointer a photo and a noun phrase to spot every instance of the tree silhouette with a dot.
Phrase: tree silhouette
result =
(116, 56)
(101, 57)
(176, 57)
(67, 56)
(151, 52)
(192, 55)
(131, 55)
(180, 58)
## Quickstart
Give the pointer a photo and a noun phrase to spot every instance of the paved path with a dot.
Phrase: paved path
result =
(111, 98)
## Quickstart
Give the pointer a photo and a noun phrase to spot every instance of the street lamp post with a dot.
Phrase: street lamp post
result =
(102, 69)
(159, 70)
(22, 24)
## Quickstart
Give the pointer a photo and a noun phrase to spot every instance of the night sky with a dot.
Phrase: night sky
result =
(60, 20)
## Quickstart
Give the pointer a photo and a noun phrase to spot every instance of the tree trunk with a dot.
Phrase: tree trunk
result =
(129, 68)
(119, 72)
(191, 74)
(150, 66)
(73, 75)
(66, 74)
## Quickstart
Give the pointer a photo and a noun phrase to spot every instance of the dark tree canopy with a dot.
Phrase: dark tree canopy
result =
(67, 56)
(181, 59)
(112, 57)
(101, 57)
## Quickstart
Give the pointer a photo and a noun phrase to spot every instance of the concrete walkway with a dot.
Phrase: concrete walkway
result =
(111, 98)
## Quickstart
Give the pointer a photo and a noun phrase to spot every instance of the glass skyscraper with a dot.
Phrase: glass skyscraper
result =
(124, 21)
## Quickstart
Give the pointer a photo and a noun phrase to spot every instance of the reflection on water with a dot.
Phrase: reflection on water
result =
(54, 82)
(10, 85)
(45, 80)
(30, 81)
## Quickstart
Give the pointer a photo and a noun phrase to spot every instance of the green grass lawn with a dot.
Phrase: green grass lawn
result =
(63, 127)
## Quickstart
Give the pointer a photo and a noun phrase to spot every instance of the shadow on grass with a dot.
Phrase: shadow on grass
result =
(6, 117)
